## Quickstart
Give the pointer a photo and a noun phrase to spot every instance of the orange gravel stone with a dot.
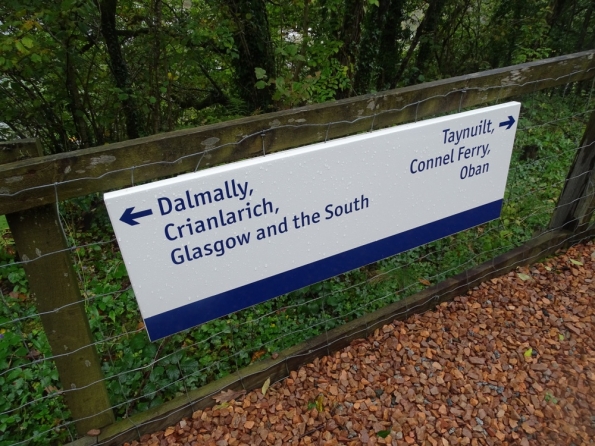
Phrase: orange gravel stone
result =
(511, 362)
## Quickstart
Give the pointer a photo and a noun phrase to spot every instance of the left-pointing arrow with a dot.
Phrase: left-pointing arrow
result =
(130, 218)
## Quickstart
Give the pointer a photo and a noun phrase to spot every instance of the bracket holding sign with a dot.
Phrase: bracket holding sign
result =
(206, 244)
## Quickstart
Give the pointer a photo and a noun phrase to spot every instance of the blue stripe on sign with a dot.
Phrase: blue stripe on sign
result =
(188, 316)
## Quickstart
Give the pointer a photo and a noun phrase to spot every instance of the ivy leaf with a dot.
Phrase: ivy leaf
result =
(383, 434)
(260, 73)
(27, 42)
(20, 47)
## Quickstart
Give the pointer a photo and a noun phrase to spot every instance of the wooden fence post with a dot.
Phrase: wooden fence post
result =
(19, 149)
(577, 201)
(53, 284)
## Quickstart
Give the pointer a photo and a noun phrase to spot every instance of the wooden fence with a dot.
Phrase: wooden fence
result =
(31, 186)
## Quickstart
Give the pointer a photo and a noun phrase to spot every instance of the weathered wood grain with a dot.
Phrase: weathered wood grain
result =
(29, 183)
(41, 244)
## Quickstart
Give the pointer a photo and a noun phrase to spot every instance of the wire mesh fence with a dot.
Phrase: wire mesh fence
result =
(140, 375)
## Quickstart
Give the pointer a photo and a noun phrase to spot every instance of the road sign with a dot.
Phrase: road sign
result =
(206, 244)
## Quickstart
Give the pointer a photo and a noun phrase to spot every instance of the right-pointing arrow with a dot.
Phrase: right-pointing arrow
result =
(508, 124)
(129, 218)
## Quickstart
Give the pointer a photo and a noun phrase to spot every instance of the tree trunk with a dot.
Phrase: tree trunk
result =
(255, 50)
(76, 105)
(556, 8)
(350, 35)
(389, 51)
(514, 35)
(154, 75)
(412, 47)
(118, 66)
(373, 22)
(430, 24)
(305, 21)
(584, 28)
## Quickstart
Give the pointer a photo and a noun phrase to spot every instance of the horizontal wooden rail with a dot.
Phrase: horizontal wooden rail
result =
(33, 182)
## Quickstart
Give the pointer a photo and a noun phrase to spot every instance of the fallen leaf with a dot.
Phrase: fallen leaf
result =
(17, 295)
(221, 406)
(524, 277)
(33, 354)
(50, 389)
(528, 353)
(228, 395)
(257, 355)
(576, 262)
(319, 403)
(265, 386)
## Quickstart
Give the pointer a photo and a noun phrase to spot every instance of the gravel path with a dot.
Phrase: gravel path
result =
(513, 362)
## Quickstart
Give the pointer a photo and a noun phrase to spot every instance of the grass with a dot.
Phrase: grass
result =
(140, 374)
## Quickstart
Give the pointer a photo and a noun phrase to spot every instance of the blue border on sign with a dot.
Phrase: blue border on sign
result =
(204, 310)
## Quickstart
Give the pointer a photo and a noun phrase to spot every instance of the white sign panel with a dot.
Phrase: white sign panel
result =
(206, 244)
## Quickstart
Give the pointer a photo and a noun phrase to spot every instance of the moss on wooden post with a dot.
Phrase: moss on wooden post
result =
(41, 244)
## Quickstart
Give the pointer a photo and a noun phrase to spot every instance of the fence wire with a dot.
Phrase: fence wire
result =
(140, 375)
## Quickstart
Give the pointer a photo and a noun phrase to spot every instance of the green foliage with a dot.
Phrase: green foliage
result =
(200, 62)
(26, 382)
